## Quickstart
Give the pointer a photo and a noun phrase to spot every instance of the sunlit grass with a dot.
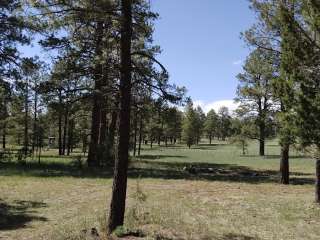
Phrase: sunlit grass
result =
(241, 199)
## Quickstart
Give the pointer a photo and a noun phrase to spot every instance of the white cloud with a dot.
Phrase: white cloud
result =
(237, 62)
(216, 105)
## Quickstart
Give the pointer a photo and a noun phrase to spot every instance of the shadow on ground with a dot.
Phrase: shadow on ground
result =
(232, 236)
(212, 172)
(151, 166)
(19, 213)
(273, 156)
(152, 157)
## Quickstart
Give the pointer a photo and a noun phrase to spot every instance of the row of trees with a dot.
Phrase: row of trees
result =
(280, 80)
(100, 85)
(196, 124)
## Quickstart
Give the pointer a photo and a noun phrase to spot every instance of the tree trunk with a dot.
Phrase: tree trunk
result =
(140, 135)
(26, 122)
(210, 139)
(103, 152)
(60, 122)
(65, 129)
(135, 133)
(102, 146)
(317, 185)
(70, 136)
(243, 148)
(317, 182)
(284, 163)
(94, 136)
(262, 139)
(39, 155)
(35, 121)
(119, 189)
(93, 160)
(112, 133)
(4, 135)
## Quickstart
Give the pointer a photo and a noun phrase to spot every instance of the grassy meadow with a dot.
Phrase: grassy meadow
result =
(240, 198)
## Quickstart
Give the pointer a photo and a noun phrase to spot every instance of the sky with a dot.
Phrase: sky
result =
(201, 46)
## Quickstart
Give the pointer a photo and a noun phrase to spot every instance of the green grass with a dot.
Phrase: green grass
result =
(239, 199)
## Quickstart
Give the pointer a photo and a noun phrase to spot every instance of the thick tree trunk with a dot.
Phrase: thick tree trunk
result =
(317, 185)
(284, 164)
(317, 182)
(119, 189)
(210, 139)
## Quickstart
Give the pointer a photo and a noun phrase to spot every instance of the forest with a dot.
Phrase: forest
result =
(97, 141)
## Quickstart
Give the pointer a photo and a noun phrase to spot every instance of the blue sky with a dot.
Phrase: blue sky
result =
(201, 44)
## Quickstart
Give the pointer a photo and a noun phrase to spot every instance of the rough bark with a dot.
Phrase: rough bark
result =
(284, 164)
(119, 189)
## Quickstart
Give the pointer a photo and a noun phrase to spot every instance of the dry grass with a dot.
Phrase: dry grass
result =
(241, 200)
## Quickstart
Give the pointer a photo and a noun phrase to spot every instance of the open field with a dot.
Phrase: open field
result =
(239, 199)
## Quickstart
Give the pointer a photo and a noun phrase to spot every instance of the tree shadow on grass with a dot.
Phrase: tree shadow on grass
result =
(232, 236)
(211, 172)
(153, 157)
(52, 169)
(19, 214)
(152, 167)
(273, 156)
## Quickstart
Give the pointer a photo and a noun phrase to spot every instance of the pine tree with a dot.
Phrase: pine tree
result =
(189, 125)
(211, 125)
(255, 91)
